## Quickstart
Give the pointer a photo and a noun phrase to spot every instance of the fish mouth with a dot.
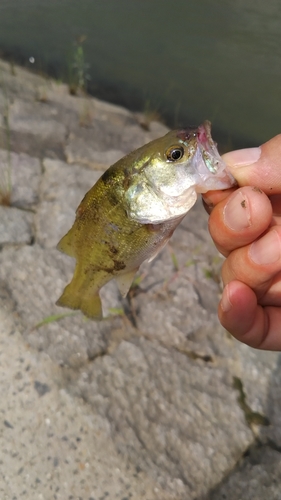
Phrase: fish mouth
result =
(202, 135)
(202, 140)
(209, 163)
(211, 157)
(208, 147)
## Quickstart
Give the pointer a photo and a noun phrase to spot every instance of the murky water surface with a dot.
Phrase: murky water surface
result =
(186, 60)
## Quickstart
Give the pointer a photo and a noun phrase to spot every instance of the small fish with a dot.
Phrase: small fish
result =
(131, 212)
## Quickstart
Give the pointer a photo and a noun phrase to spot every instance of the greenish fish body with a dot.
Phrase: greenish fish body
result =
(133, 209)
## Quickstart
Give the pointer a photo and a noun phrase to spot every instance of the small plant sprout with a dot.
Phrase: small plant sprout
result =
(150, 114)
(190, 262)
(214, 269)
(115, 311)
(78, 68)
(86, 114)
(5, 168)
(138, 280)
(53, 318)
(175, 261)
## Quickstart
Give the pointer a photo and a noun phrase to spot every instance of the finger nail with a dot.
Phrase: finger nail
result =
(242, 157)
(225, 301)
(267, 250)
(236, 212)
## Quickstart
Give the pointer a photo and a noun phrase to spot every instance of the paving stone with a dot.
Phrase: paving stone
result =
(155, 402)
(35, 279)
(80, 151)
(51, 445)
(257, 478)
(24, 172)
(169, 414)
(62, 189)
(16, 226)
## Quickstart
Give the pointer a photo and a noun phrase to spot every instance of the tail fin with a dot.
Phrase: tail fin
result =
(89, 304)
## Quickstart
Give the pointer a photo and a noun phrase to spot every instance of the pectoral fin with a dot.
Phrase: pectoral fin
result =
(124, 281)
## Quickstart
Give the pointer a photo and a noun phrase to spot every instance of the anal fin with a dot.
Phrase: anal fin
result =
(124, 281)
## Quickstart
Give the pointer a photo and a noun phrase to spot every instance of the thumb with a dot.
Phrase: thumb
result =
(260, 167)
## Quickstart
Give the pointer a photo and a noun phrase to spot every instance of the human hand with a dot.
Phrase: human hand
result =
(245, 224)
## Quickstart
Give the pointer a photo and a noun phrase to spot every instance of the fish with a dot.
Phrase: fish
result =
(131, 212)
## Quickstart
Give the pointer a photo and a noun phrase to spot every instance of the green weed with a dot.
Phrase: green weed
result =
(208, 273)
(42, 93)
(116, 311)
(86, 114)
(78, 68)
(137, 281)
(214, 271)
(190, 262)
(150, 114)
(6, 169)
(175, 261)
(251, 417)
(53, 318)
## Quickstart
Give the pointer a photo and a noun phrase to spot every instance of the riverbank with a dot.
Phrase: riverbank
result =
(155, 402)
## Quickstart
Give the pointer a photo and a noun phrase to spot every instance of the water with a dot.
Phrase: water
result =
(185, 60)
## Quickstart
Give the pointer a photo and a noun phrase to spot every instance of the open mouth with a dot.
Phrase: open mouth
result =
(202, 134)
(208, 147)
(205, 137)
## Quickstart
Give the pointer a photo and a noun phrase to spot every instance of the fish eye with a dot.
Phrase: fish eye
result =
(174, 153)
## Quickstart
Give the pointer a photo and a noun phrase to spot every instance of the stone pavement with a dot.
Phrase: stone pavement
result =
(157, 401)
